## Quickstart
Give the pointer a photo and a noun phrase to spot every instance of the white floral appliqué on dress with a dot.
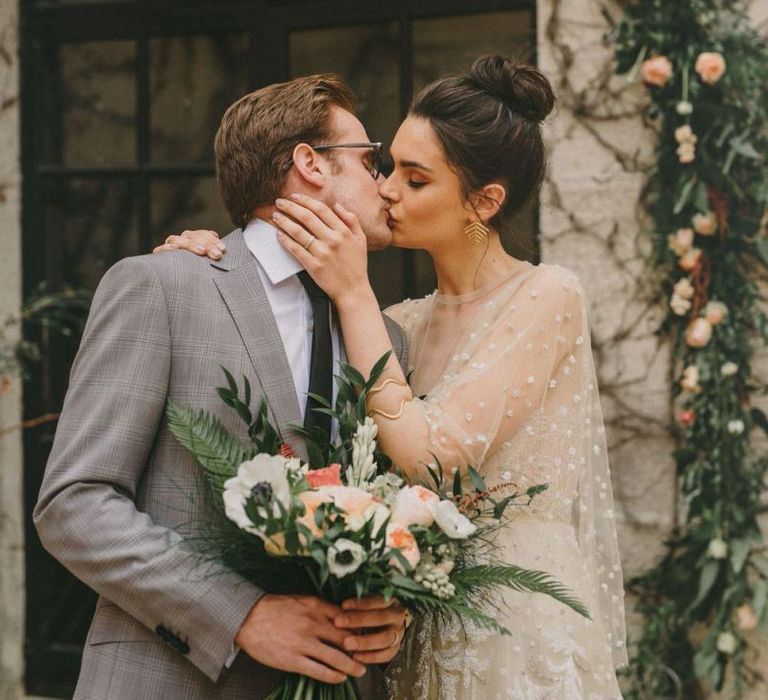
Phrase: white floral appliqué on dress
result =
(508, 384)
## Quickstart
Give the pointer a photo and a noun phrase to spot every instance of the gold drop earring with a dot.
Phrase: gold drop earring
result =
(477, 232)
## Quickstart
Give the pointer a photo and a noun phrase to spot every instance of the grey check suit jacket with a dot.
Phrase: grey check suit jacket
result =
(121, 498)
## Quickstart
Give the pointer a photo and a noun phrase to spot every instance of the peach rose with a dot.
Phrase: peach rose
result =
(710, 66)
(705, 224)
(681, 241)
(312, 500)
(690, 259)
(353, 501)
(402, 538)
(715, 312)
(746, 618)
(656, 71)
(327, 476)
(698, 333)
(690, 380)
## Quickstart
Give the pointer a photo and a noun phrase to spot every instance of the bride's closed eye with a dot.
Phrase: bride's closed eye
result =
(415, 184)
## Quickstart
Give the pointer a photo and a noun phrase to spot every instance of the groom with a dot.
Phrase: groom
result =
(121, 499)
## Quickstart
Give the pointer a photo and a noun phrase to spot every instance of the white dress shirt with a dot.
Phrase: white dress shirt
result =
(290, 304)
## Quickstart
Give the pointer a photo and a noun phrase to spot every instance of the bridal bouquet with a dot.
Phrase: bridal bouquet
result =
(349, 526)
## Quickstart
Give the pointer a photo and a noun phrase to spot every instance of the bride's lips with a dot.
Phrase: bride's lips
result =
(391, 221)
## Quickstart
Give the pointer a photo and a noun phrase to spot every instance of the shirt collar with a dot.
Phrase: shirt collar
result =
(261, 239)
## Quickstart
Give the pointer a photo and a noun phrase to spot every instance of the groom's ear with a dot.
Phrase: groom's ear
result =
(309, 165)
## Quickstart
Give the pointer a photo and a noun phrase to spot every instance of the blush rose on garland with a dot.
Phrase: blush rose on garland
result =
(706, 70)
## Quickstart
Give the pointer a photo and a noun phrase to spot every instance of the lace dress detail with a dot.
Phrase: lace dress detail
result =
(509, 386)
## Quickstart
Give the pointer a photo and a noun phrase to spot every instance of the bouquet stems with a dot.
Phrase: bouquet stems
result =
(297, 687)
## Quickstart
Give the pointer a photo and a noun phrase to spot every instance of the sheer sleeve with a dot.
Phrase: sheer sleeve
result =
(522, 347)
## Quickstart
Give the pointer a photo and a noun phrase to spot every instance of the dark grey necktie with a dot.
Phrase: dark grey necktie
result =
(321, 365)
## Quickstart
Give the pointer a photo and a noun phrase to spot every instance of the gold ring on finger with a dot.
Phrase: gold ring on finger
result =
(309, 243)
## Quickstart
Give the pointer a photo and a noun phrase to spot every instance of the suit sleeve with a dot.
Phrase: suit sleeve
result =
(86, 515)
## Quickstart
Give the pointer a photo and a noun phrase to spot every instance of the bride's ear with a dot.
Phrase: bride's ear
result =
(308, 165)
(488, 200)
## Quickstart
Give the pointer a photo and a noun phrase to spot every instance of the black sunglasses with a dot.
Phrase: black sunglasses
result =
(376, 147)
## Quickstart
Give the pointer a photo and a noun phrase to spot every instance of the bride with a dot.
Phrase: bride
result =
(502, 378)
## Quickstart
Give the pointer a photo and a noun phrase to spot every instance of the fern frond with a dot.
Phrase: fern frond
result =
(218, 452)
(517, 579)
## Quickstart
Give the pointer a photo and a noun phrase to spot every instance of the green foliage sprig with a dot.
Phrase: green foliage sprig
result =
(706, 71)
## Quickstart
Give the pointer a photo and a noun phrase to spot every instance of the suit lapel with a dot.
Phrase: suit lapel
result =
(245, 298)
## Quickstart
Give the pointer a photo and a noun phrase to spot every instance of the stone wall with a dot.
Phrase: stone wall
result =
(601, 152)
(11, 501)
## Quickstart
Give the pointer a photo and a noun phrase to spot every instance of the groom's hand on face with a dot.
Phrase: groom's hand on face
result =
(377, 626)
(297, 634)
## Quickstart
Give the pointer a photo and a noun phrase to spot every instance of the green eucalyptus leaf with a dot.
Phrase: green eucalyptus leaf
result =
(759, 598)
(707, 579)
(739, 550)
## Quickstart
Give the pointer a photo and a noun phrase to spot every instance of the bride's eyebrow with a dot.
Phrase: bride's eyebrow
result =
(413, 164)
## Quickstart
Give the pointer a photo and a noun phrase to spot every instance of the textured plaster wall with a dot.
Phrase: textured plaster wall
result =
(601, 152)
(11, 530)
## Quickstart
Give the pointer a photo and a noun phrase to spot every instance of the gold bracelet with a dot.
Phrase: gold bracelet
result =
(391, 416)
(385, 383)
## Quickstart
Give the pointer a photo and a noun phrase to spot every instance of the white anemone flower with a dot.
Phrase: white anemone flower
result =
(453, 523)
(345, 557)
(266, 472)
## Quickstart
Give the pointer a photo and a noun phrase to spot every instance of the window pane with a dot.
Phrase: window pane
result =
(193, 80)
(368, 58)
(187, 202)
(92, 224)
(450, 44)
(98, 100)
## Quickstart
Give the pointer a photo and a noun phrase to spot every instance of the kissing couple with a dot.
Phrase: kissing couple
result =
(493, 369)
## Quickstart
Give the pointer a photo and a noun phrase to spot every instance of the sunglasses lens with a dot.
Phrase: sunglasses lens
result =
(376, 162)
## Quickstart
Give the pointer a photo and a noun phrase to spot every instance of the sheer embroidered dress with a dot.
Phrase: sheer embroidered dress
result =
(509, 386)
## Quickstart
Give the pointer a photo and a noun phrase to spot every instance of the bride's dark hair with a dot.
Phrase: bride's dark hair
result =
(489, 123)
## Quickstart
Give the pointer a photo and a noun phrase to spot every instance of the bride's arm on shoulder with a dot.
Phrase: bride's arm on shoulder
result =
(198, 241)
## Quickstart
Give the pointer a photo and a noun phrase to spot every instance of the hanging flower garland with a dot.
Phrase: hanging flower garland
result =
(706, 72)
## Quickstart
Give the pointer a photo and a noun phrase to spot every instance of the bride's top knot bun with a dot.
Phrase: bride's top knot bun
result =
(488, 122)
(523, 88)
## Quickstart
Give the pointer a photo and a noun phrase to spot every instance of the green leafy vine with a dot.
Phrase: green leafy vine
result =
(706, 72)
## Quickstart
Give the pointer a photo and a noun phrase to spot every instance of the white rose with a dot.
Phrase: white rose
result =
(726, 643)
(683, 288)
(735, 427)
(718, 549)
(266, 472)
(681, 241)
(729, 369)
(715, 312)
(413, 506)
(679, 305)
(453, 523)
(345, 557)
(684, 108)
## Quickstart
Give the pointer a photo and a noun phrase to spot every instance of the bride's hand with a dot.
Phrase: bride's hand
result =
(328, 242)
(199, 242)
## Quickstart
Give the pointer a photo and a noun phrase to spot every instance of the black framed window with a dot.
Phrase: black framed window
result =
(120, 102)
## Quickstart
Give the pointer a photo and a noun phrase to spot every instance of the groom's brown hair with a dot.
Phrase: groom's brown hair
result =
(258, 133)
